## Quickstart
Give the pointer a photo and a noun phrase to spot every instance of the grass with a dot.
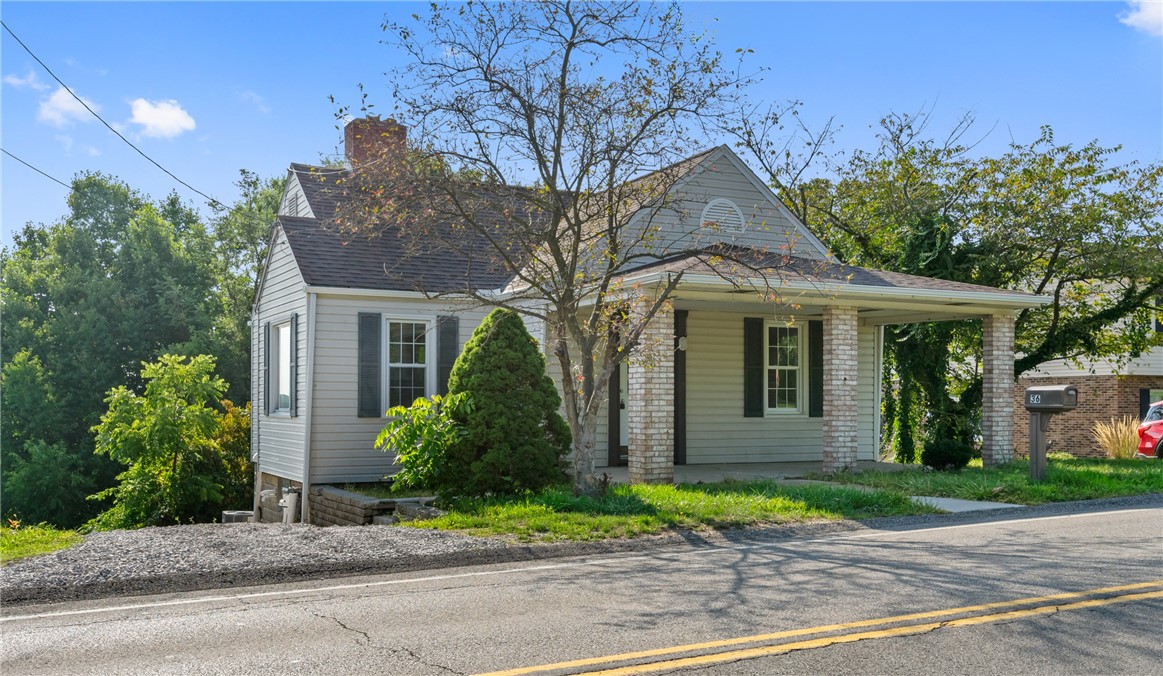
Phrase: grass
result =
(1067, 479)
(626, 511)
(18, 542)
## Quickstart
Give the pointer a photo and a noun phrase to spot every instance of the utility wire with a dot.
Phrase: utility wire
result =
(51, 178)
(214, 204)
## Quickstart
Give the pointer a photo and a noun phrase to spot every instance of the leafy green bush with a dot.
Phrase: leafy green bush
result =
(514, 439)
(185, 458)
(946, 454)
(420, 435)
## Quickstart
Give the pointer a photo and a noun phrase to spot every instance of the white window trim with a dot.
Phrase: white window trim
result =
(801, 368)
(734, 207)
(429, 322)
(276, 359)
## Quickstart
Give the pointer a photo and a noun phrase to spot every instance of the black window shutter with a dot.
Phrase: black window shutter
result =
(369, 365)
(447, 349)
(266, 370)
(815, 369)
(294, 388)
(1144, 403)
(752, 367)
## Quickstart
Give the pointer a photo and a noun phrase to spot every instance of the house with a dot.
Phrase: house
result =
(340, 333)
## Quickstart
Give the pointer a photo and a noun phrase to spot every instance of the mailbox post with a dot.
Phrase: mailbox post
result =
(1043, 402)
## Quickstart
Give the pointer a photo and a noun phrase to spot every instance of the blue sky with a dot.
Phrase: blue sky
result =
(207, 89)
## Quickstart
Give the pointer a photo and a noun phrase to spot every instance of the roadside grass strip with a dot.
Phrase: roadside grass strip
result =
(1067, 479)
(19, 542)
(645, 661)
(626, 511)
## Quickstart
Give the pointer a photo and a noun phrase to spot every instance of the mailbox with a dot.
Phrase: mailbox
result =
(1051, 398)
(1043, 402)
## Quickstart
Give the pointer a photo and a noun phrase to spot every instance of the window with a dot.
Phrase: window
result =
(402, 358)
(722, 215)
(783, 367)
(281, 375)
(407, 361)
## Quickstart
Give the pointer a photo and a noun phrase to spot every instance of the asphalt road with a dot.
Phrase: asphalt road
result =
(824, 605)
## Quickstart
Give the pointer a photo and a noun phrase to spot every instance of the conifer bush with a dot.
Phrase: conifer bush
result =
(514, 438)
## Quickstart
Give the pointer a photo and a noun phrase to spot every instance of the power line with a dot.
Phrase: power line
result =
(215, 204)
(51, 178)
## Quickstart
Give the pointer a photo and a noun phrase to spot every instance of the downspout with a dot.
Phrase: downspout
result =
(305, 498)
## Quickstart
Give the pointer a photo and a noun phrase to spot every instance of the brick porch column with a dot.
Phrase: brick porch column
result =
(839, 388)
(997, 392)
(650, 404)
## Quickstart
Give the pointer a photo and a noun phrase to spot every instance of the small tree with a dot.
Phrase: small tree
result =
(546, 140)
(514, 438)
(183, 460)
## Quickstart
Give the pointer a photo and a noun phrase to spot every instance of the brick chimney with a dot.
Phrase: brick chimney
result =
(370, 137)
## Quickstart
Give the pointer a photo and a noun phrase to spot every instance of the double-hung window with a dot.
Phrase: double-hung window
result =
(402, 358)
(408, 354)
(784, 368)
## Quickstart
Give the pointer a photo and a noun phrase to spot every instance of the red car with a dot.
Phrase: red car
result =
(1151, 432)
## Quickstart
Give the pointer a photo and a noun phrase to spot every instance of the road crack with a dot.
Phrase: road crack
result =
(393, 651)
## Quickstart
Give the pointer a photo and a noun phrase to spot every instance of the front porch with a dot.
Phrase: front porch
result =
(729, 382)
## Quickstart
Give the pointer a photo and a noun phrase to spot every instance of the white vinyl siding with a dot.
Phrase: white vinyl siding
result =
(294, 199)
(279, 438)
(1149, 364)
(717, 432)
(342, 444)
(765, 224)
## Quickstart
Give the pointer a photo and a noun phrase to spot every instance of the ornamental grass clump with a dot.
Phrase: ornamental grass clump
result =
(513, 437)
(1119, 438)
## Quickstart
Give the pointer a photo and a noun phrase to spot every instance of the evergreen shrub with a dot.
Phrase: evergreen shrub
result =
(514, 439)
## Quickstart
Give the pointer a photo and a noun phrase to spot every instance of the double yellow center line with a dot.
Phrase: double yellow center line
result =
(646, 661)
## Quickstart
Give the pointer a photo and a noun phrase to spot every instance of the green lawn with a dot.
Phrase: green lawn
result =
(1067, 479)
(625, 511)
(23, 541)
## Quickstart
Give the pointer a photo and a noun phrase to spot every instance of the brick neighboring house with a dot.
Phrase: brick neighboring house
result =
(1105, 391)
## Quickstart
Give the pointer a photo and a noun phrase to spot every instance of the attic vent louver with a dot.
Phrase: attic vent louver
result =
(722, 215)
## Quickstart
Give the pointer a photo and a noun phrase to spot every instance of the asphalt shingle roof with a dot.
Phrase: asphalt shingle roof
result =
(385, 262)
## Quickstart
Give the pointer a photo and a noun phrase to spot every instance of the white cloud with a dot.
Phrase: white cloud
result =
(66, 142)
(29, 81)
(161, 119)
(1144, 15)
(253, 98)
(61, 109)
(92, 151)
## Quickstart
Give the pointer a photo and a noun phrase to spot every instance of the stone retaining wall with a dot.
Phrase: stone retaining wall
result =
(332, 506)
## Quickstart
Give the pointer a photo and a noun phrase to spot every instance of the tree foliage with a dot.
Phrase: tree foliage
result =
(119, 280)
(1054, 219)
(543, 138)
(513, 437)
(184, 456)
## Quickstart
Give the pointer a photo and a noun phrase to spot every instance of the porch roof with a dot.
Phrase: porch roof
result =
(882, 297)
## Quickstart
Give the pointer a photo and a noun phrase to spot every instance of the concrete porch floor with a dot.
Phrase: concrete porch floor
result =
(690, 474)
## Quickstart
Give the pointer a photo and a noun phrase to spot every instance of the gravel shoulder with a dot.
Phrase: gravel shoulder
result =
(210, 556)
